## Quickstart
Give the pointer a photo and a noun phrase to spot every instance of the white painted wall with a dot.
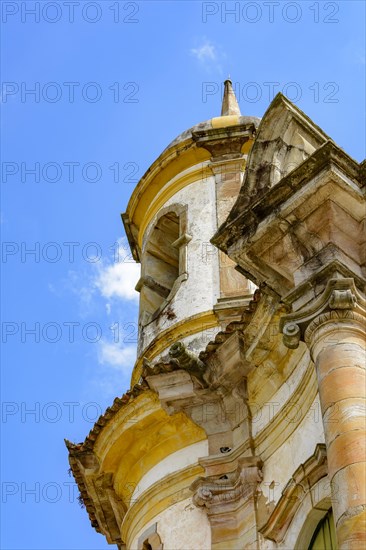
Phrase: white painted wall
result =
(200, 292)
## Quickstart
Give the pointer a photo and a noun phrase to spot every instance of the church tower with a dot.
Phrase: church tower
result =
(244, 426)
(188, 289)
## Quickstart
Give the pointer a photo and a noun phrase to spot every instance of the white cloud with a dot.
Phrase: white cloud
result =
(118, 280)
(117, 356)
(205, 52)
(105, 294)
(103, 289)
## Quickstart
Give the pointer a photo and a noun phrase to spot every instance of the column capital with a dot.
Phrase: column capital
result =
(341, 301)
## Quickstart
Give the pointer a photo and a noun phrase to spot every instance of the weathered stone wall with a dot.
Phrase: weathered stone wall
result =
(200, 291)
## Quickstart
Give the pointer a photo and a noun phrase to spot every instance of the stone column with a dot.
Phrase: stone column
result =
(336, 339)
(337, 343)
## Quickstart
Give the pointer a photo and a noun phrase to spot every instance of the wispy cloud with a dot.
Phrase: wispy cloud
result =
(209, 55)
(205, 52)
(116, 355)
(105, 294)
(112, 279)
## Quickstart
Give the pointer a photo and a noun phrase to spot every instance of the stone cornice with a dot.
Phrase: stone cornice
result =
(83, 452)
(225, 142)
(203, 369)
(100, 464)
(84, 497)
(97, 494)
(167, 364)
(104, 419)
(328, 155)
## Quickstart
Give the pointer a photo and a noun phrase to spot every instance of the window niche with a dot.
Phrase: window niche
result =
(164, 262)
(150, 539)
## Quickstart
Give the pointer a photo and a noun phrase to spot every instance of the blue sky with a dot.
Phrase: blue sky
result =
(113, 83)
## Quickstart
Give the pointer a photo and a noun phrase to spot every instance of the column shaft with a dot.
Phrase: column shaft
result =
(338, 350)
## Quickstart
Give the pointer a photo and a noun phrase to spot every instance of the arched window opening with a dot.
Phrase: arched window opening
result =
(150, 539)
(160, 265)
(162, 256)
(164, 263)
(324, 537)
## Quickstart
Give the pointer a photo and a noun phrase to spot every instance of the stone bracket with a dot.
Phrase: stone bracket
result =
(339, 294)
(179, 358)
(220, 492)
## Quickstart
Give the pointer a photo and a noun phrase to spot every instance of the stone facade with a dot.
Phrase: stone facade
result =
(245, 422)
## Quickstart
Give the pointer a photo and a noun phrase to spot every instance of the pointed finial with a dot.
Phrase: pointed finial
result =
(230, 104)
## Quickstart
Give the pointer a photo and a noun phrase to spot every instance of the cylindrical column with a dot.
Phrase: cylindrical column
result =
(337, 343)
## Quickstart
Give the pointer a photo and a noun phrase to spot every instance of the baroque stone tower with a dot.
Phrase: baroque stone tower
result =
(245, 423)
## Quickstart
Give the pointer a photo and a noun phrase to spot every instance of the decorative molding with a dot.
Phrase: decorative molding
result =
(215, 492)
(81, 455)
(342, 299)
(291, 335)
(335, 317)
(229, 499)
(336, 302)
